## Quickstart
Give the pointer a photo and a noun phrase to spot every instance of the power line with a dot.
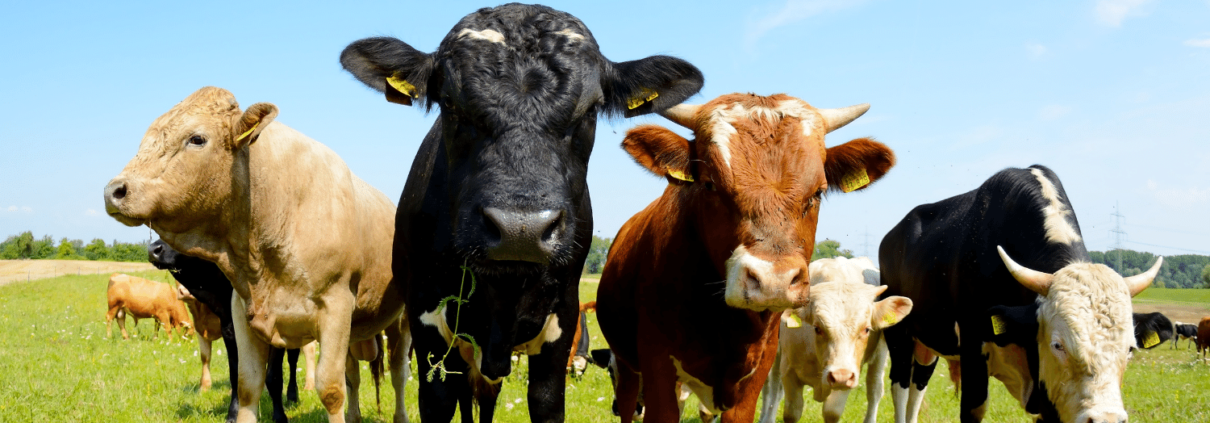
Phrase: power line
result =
(1118, 233)
(1157, 228)
(1165, 246)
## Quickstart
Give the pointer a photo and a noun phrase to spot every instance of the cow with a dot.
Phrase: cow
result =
(1054, 327)
(1152, 329)
(1203, 337)
(1183, 331)
(695, 284)
(577, 363)
(304, 242)
(604, 358)
(204, 287)
(141, 299)
(825, 344)
(498, 188)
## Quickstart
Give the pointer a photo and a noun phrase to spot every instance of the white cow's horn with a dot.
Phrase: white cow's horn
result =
(1036, 281)
(836, 118)
(1141, 281)
(682, 114)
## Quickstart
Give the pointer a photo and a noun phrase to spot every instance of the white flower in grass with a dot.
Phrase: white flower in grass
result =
(599, 399)
(195, 353)
(508, 406)
(518, 401)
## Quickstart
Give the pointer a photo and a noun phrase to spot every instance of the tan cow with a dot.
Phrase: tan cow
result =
(824, 344)
(207, 326)
(305, 243)
(142, 298)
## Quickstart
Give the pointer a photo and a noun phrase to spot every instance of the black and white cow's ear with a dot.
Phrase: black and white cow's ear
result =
(649, 85)
(254, 120)
(391, 67)
(1013, 325)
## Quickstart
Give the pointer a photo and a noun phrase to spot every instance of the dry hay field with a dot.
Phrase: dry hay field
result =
(23, 270)
(56, 362)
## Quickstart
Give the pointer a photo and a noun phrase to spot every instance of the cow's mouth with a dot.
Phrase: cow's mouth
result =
(126, 220)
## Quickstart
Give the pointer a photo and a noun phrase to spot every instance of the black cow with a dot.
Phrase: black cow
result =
(1152, 329)
(1184, 331)
(498, 188)
(974, 303)
(210, 286)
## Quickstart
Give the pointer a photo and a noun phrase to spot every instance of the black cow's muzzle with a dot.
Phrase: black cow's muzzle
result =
(523, 236)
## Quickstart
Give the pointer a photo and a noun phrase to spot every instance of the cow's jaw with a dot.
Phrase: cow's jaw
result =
(757, 284)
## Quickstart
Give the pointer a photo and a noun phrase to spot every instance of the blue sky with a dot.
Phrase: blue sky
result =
(1114, 95)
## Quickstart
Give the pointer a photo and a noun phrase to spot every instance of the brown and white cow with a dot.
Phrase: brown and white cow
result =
(825, 344)
(305, 243)
(695, 284)
(141, 299)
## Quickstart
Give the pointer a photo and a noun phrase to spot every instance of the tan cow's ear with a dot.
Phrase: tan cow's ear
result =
(890, 311)
(856, 164)
(250, 125)
(661, 151)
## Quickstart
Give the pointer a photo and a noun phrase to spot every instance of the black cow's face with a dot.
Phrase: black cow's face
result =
(519, 90)
(164, 257)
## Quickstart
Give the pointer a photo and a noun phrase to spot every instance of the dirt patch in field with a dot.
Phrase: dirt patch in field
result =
(22, 270)
(1177, 312)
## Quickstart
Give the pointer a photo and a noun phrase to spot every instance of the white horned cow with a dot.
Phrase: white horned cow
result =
(305, 243)
(824, 344)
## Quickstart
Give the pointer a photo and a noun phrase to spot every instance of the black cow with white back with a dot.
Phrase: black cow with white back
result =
(1002, 282)
(499, 186)
(1152, 329)
(1184, 331)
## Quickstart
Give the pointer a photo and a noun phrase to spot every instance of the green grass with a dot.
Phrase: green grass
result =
(56, 362)
(1172, 295)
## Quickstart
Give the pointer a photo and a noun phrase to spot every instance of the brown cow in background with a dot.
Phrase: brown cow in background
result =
(1203, 337)
(695, 284)
(142, 298)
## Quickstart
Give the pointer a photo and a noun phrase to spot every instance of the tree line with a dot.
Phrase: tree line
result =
(25, 246)
(1183, 271)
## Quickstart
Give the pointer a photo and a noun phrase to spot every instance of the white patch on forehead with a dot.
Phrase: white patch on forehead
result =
(704, 392)
(490, 35)
(799, 109)
(1058, 230)
(723, 117)
(572, 35)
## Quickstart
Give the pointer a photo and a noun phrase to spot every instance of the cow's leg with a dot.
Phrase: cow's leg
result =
(974, 377)
(353, 388)
(900, 348)
(438, 399)
(874, 374)
(228, 330)
(203, 349)
(922, 371)
(292, 386)
(833, 407)
(253, 359)
(548, 369)
(273, 382)
(399, 342)
(114, 311)
(771, 394)
(627, 390)
(792, 390)
(749, 389)
(121, 316)
(309, 355)
(335, 320)
(659, 389)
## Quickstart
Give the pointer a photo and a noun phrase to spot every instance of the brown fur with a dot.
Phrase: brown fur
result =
(1203, 337)
(575, 340)
(141, 299)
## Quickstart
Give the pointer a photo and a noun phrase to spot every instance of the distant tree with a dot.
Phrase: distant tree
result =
(97, 250)
(66, 251)
(598, 250)
(1206, 276)
(43, 248)
(20, 246)
(829, 249)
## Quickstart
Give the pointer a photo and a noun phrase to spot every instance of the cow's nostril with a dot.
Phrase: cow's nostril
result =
(119, 193)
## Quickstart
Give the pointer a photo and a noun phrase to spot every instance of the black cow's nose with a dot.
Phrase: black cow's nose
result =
(523, 236)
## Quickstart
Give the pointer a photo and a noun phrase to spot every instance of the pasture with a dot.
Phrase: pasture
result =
(56, 362)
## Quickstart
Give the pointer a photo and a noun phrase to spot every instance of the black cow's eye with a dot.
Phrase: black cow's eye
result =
(818, 331)
(197, 140)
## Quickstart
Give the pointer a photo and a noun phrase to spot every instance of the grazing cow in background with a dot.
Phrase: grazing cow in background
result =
(304, 242)
(1152, 329)
(202, 283)
(498, 188)
(578, 362)
(1055, 328)
(824, 344)
(1203, 337)
(695, 284)
(141, 299)
(1183, 331)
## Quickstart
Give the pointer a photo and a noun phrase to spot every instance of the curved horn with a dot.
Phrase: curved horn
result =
(836, 118)
(1141, 281)
(682, 114)
(1034, 280)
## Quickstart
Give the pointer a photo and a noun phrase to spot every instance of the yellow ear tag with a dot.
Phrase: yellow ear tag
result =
(643, 96)
(854, 181)
(794, 321)
(999, 326)
(402, 86)
(248, 132)
(890, 319)
(1152, 340)
(676, 174)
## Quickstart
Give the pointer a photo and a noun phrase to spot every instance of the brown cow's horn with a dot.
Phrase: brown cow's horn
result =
(1141, 281)
(836, 118)
(682, 114)
(1034, 280)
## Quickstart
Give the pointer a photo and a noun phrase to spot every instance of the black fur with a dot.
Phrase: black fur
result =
(516, 127)
(943, 256)
(1146, 324)
(210, 286)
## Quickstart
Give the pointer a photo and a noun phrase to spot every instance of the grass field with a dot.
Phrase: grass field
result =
(56, 362)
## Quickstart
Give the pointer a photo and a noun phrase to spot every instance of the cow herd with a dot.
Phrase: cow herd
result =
(708, 291)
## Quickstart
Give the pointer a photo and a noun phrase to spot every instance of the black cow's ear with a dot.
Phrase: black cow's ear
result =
(1013, 325)
(391, 67)
(650, 85)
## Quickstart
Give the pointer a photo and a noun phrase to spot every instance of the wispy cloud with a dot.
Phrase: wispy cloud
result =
(1036, 51)
(22, 209)
(790, 12)
(1204, 43)
(1179, 197)
(91, 212)
(1053, 111)
(1113, 12)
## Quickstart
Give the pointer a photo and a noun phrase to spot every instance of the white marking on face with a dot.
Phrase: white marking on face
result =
(567, 32)
(704, 392)
(1058, 230)
(489, 35)
(722, 119)
(743, 266)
